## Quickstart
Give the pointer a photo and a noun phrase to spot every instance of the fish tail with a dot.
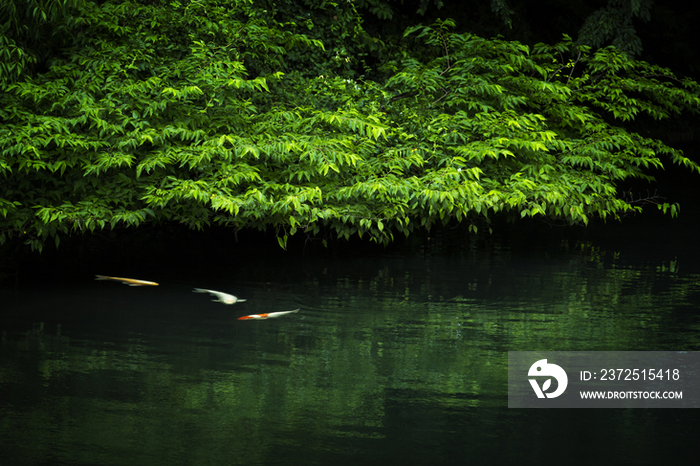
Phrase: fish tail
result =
(102, 277)
(295, 310)
(199, 290)
(240, 300)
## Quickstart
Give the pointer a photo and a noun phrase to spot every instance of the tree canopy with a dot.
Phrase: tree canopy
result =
(224, 113)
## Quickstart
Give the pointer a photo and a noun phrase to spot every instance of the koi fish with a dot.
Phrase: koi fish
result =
(222, 297)
(267, 316)
(127, 281)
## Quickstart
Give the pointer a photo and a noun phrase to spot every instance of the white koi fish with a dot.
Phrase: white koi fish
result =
(127, 281)
(222, 297)
(269, 315)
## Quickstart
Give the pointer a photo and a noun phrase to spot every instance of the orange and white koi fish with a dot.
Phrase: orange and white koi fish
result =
(269, 315)
(127, 281)
(221, 297)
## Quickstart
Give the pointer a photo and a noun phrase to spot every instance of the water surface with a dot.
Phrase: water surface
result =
(398, 355)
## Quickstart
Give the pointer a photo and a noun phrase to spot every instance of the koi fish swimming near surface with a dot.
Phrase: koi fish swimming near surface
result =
(269, 315)
(127, 281)
(221, 297)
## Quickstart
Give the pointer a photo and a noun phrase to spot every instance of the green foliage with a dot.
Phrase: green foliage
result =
(336, 25)
(612, 25)
(196, 113)
(29, 32)
(503, 11)
(533, 133)
(383, 10)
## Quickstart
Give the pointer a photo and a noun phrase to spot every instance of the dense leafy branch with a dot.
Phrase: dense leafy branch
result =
(158, 113)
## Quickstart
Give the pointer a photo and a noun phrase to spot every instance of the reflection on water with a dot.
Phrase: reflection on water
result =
(396, 355)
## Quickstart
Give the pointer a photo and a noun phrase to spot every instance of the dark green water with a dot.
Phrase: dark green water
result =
(398, 356)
